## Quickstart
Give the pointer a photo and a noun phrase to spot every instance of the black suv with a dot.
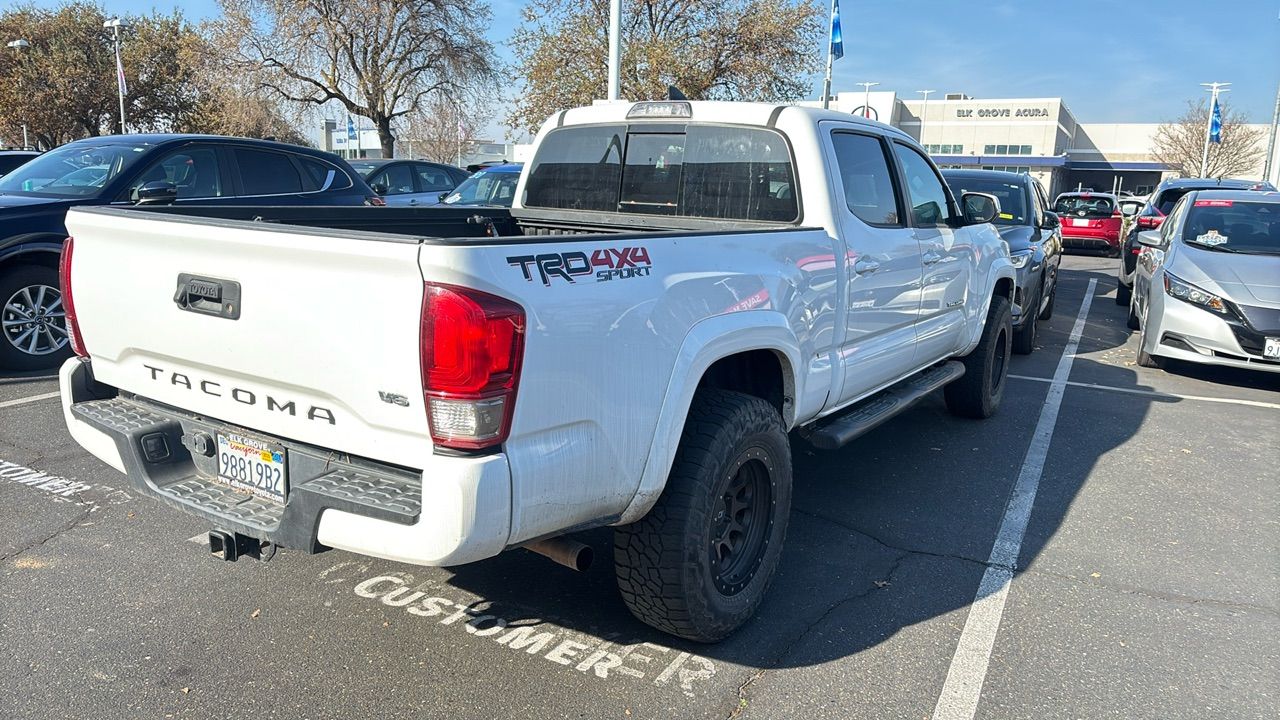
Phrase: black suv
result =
(11, 160)
(1152, 215)
(133, 169)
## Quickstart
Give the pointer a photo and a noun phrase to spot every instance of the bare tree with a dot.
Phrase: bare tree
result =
(1180, 143)
(709, 49)
(381, 59)
(446, 128)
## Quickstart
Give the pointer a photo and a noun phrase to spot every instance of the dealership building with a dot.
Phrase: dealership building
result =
(1039, 136)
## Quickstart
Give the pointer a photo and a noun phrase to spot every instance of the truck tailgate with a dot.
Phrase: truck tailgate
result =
(321, 346)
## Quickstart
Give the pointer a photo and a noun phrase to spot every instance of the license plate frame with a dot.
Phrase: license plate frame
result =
(1271, 348)
(252, 465)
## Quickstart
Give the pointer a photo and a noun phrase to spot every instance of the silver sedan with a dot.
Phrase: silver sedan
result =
(1207, 286)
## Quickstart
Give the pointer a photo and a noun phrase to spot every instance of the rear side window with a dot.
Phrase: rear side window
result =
(705, 171)
(864, 173)
(433, 179)
(1168, 199)
(324, 176)
(263, 172)
(1092, 206)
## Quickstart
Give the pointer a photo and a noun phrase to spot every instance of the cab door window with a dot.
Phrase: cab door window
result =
(195, 172)
(926, 194)
(866, 179)
(397, 179)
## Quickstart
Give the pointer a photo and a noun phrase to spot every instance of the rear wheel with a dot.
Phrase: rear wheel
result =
(33, 326)
(978, 393)
(699, 563)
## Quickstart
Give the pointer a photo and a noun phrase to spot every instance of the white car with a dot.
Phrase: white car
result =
(1207, 286)
(677, 286)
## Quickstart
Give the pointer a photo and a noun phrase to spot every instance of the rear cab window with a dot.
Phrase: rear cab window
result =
(719, 172)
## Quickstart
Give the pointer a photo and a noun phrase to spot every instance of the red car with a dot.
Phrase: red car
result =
(1090, 220)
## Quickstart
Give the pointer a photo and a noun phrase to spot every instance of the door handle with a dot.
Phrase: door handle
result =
(413, 201)
(931, 258)
(864, 266)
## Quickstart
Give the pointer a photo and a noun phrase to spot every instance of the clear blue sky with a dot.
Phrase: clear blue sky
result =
(1112, 61)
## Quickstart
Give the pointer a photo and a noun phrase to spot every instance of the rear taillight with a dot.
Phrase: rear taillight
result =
(68, 304)
(472, 344)
(1150, 222)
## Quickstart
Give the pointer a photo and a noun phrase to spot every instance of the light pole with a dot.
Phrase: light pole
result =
(615, 49)
(18, 46)
(1215, 88)
(923, 106)
(1271, 142)
(866, 97)
(116, 25)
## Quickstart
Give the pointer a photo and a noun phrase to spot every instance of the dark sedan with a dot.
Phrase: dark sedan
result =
(129, 169)
(1035, 243)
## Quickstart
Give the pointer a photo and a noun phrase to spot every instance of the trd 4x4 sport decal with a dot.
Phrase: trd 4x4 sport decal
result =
(606, 264)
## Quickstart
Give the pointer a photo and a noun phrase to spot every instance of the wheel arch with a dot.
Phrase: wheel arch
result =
(34, 249)
(753, 352)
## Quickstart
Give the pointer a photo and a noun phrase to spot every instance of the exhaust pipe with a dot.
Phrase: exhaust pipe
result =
(569, 553)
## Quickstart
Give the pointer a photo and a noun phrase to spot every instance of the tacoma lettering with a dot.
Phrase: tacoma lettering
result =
(241, 395)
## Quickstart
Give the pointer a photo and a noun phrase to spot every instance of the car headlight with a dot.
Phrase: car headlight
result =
(1186, 292)
(1021, 258)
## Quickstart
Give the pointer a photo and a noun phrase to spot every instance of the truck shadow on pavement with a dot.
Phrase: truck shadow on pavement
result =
(895, 528)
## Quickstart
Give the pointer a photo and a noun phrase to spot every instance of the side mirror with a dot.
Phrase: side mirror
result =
(379, 188)
(979, 207)
(156, 192)
(1129, 210)
(1051, 221)
(443, 195)
(1150, 238)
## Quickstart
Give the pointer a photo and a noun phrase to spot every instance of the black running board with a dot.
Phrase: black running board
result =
(838, 430)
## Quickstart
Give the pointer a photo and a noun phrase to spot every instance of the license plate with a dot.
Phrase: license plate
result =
(1272, 348)
(1077, 222)
(253, 466)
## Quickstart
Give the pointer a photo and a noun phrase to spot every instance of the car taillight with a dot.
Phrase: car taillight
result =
(471, 347)
(1150, 222)
(68, 304)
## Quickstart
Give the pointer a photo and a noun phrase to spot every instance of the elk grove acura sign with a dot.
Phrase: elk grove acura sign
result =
(1024, 112)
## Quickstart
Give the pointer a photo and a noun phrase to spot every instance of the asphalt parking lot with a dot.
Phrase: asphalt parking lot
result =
(1145, 585)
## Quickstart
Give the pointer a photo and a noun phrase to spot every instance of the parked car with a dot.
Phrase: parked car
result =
(409, 182)
(1207, 284)
(1153, 213)
(1090, 221)
(11, 160)
(677, 286)
(133, 169)
(493, 186)
(1035, 243)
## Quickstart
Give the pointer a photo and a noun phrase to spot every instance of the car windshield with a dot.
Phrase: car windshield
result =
(1012, 197)
(1094, 206)
(1234, 226)
(485, 188)
(76, 170)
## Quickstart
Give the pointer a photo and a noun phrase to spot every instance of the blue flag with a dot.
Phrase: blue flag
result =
(1215, 124)
(837, 40)
(351, 129)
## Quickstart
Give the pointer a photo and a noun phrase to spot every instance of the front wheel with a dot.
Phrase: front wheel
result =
(699, 563)
(33, 326)
(978, 392)
(1123, 293)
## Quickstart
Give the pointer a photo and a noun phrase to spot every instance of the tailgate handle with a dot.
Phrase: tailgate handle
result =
(208, 296)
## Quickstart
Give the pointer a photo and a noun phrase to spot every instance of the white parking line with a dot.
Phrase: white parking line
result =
(29, 399)
(1156, 393)
(963, 687)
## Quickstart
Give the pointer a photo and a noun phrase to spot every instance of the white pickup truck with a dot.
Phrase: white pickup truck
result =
(677, 286)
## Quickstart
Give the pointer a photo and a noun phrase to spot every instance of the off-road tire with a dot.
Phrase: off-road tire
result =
(978, 393)
(12, 280)
(664, 561)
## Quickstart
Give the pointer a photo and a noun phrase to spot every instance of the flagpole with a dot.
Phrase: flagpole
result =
(1215, 88)
(831, 37)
